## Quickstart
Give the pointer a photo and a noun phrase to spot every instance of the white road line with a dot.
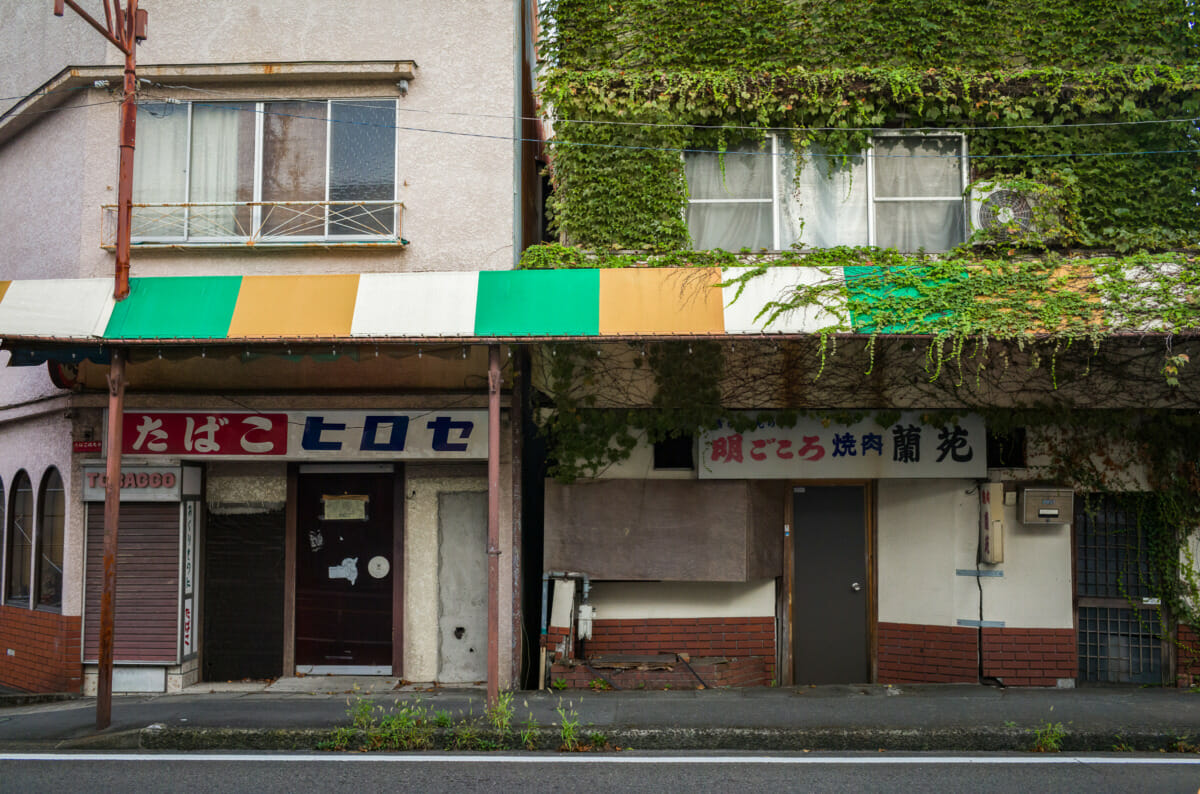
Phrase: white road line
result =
(585, 758)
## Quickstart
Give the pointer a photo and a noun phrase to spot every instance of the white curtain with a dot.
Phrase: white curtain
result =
(917, 197)
(824, 205)
(214, 174)
(160, 169)
(929, 168)
(724, 218)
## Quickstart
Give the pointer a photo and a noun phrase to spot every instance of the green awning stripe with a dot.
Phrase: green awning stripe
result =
(538, 303)
(177, 307)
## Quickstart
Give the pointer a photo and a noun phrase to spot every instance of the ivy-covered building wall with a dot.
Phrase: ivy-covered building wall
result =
(1073, 316)
(1097, 99)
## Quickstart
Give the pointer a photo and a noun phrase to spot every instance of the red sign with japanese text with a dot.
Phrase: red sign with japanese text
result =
(376, 434)
(200, 433)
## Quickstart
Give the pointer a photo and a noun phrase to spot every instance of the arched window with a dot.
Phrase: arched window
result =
(52, 510)
(3, 543)
(19, 560)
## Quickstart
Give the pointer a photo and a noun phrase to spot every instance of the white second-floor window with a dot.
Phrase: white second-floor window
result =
(290, 170)
(906, 193)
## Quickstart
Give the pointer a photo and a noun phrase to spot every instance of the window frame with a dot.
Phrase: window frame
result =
(10, 557)
(872, 199)
(257, 201)
(773, 199)
(3, 542)
(39, 539)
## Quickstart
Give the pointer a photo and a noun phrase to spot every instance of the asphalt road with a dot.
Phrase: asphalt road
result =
(238, 772)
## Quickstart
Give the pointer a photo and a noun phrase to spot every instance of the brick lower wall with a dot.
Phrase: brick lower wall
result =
(45, 651)
(910, 653)
(1187, 656)
(699, 637)
(704, 673)
(557, 642)
(1030, 657)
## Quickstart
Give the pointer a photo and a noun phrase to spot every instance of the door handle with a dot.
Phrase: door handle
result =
(856, 587)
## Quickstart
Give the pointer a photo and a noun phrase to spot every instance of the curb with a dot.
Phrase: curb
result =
(33, 698)
(159, 737)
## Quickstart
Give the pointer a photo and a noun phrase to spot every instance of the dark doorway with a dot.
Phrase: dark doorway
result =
(830, 585)
(243, 587)
(346, 566)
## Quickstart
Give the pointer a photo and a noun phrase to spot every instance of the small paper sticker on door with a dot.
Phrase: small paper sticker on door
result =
(378, 567)
(348, 570)
(344, 507)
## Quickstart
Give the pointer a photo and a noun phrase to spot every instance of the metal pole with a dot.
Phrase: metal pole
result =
(112, 514)
(493, 541)
(125, 174)
(124, 28)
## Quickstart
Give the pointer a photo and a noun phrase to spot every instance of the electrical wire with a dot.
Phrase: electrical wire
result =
(48, 92)
(628, 147)
(667, 125)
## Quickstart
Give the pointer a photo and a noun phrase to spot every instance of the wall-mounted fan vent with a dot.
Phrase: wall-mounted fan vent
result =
(1005, 211)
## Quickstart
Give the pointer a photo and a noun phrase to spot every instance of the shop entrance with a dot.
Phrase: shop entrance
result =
(830, 585)
(347, 570)
(1120, 637)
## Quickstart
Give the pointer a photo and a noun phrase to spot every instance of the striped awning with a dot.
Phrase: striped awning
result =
(492, 305)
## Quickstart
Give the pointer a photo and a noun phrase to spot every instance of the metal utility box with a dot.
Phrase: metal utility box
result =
(1041, 506)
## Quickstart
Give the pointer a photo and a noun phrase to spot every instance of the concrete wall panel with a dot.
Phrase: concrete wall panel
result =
(462, 587)
(634, 600)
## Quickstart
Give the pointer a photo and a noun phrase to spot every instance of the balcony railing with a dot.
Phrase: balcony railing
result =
(259, 223)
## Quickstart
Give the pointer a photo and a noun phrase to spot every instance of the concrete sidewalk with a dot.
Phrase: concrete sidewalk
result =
(301, 713)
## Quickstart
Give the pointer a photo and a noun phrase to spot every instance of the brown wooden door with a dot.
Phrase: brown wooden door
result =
(345, 569)
(830, 621)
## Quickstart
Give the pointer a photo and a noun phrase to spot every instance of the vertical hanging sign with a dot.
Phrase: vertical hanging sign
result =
(189, 579)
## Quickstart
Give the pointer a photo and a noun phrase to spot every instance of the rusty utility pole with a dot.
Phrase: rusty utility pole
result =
(493, 526)
(112, 515)
(124, 27)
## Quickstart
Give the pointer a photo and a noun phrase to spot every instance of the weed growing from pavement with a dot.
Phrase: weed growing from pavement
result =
(407, 728)
(413, 726)
(568, 726)
(500, 715)
(529, 733)
(1183, 744)
(1048, 738)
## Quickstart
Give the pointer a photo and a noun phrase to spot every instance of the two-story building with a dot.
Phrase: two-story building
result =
(321, 192)
(899, 298)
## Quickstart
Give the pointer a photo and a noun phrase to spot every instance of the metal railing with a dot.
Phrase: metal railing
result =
(281, 223)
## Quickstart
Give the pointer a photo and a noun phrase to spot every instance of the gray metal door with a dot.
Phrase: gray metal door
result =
(829, 585)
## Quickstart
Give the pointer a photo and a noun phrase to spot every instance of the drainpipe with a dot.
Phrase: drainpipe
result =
(112, 508)
(493, 540)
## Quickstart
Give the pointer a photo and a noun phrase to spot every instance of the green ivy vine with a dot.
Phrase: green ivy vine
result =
(1088, 106)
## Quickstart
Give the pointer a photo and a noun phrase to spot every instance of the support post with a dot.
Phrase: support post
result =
(125, 174)
(124, 28)
(493, 539)
(112, 514)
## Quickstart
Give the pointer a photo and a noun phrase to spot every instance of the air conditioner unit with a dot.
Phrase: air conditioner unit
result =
(1004, 212)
